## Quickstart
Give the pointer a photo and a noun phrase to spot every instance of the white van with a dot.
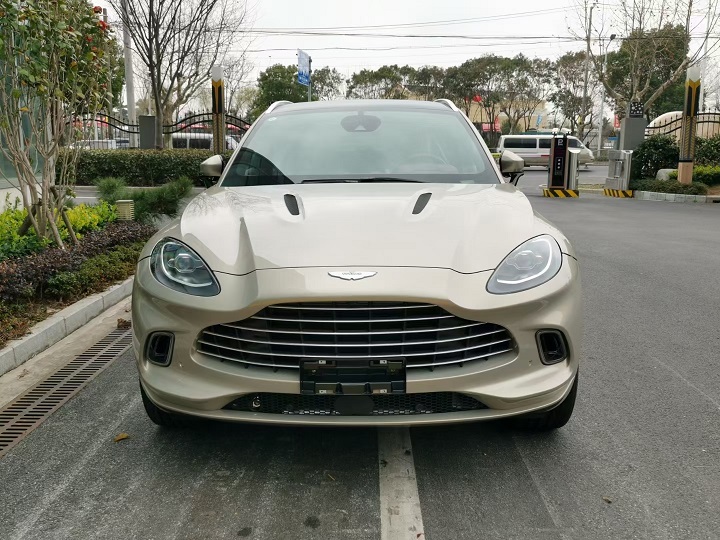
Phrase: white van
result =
(535, 149)
(202, 141)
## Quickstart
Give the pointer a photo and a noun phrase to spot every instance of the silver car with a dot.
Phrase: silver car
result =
(358, 263)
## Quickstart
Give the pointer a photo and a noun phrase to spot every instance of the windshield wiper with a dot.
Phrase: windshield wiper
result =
(328, 181)
(388, 179)
(358, 180)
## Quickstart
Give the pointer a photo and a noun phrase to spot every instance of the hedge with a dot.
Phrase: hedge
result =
(707, 151)
(139, 168)
(704, 174)
(671, 186)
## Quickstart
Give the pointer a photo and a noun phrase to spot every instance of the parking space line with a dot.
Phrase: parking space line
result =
(400, 513)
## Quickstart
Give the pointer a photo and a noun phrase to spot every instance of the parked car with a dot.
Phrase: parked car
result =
(535, 149)
(96, 144)
(359, 263)
(200, 140)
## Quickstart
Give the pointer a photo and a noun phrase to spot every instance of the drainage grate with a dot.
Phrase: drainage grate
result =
(28, 411)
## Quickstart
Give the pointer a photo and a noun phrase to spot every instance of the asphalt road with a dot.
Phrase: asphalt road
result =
(639, 459)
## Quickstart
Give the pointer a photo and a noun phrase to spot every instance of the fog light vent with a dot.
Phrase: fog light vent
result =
(159, 348)
(552, 346)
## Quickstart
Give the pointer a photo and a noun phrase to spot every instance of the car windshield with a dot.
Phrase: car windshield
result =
(360, 144)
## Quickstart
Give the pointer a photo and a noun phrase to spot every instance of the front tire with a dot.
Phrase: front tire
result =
(161, 417)
(556, 417)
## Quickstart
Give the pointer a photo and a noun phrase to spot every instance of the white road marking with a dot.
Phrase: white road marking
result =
(400, 514)
(691, 385)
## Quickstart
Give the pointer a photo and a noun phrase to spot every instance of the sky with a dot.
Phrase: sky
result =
(527, 26)
(537, 29)
(545, 29)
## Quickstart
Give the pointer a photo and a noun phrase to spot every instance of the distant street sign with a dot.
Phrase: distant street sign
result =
(303, 68)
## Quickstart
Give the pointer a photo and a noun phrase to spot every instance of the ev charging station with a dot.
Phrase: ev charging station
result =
(562, 169)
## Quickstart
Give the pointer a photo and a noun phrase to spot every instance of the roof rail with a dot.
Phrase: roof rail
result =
(449, 104)
(275, 105)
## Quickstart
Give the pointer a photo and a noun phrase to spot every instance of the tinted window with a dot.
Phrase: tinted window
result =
(520, 143)
(574, 143)
(179, 142)
(544, 143)
(361, 142)
(204, 144)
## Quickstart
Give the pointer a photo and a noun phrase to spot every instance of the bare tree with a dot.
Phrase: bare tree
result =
(660, 40)
(178, 43)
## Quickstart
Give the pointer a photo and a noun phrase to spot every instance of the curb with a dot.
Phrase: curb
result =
(669, 197)
(561, 193)
(619, 193)
(60, 325)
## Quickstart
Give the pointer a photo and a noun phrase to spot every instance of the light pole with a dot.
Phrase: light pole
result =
(602, 96)
(583, 111)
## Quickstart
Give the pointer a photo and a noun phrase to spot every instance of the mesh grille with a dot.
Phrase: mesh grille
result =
(425, 335)
(383, 405)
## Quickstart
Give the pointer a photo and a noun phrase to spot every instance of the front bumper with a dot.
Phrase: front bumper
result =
(510, 384)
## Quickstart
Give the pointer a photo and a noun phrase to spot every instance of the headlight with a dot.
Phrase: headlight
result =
(529, 265)
(177, 266)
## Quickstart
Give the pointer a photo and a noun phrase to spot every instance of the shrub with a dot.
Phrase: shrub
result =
(139, 168)
(710, 176)
(165, 200)
(83, 218)
(25, 277)
(707, 174)
(111, 189)
(654, 153)
(707, 151)
(11, 243)
(149, 203)
(96, 273)
(671, 186)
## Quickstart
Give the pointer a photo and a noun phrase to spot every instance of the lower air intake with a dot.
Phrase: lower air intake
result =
(377, 405)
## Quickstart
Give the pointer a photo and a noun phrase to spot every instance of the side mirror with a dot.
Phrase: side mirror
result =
(511, 163)
(212, 166)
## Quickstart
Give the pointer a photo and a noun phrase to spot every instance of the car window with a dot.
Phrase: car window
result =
(204, 143)
(360, 143)
(574, 143)
(544, 143)
(179, 142)
(520, 143)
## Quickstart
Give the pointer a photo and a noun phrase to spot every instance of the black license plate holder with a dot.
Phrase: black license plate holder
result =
(352, 376)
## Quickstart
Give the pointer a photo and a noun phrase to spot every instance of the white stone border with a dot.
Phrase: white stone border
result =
(48, 332)
(669, 197)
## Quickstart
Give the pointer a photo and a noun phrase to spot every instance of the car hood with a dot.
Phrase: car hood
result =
(466, 228)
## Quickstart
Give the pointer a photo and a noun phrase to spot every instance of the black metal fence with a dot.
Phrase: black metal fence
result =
(708, 125)
(195, 131)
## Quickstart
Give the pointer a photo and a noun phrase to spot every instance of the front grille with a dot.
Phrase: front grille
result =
(383, 405)
(281, 336)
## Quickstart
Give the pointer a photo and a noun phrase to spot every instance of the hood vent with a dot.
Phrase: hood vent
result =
(421, 203)
(292, 204)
